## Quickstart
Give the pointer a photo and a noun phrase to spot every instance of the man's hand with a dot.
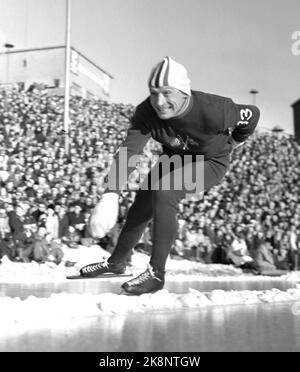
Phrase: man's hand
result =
(104, 216)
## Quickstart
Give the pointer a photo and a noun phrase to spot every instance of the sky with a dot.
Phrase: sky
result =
(228, 46)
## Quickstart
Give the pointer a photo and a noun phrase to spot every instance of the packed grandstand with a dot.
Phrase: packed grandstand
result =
(251, 220)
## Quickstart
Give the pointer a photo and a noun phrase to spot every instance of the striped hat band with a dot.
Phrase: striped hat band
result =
(170, 73)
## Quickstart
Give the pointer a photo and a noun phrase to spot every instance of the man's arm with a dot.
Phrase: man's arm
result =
(126, 157)
(104, 215)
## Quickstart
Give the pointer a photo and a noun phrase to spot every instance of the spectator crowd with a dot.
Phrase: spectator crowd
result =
(250, 220)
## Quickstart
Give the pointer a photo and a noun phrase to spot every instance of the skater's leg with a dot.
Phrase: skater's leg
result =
(165, 207)
(138, 217)
(165, 227)
(164, 204)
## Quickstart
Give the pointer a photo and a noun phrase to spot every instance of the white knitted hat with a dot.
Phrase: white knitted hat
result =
(170, 73)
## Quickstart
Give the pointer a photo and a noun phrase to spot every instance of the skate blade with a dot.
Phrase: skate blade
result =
(103, 276)
(124, 293)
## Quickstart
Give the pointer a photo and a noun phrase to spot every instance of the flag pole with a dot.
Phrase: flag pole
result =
(67, 75)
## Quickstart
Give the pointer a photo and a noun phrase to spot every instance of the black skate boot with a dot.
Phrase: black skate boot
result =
(103, 267)
(148, 282)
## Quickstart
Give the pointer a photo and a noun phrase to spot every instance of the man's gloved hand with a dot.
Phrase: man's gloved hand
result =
(104, 216)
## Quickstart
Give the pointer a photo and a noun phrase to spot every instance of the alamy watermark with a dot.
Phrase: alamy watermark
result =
(177, 172)
(296, 44)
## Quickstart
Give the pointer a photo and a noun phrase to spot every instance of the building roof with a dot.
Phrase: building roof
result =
(12, 51)
(296, 103)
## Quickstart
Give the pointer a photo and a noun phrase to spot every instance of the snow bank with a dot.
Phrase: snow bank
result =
(164, 300)
(176, 269)
(12, 272)
(63, 306)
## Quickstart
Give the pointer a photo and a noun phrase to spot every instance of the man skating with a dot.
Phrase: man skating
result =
(197, 132)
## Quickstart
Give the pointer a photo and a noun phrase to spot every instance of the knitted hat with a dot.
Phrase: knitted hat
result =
(170, 73)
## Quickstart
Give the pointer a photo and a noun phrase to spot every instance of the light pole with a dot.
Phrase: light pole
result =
(8, 47)
(254, 92)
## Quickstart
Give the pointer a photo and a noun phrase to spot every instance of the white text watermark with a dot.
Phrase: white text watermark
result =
(296, 44)
(176, 172)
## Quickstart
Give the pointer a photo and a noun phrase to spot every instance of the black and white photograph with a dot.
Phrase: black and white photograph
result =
(149, 179)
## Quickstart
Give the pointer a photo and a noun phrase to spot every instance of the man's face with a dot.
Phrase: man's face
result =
(2, 213)
(42, 207)
(19, 212)
(77, 209)
(167, 101)
(42, 231)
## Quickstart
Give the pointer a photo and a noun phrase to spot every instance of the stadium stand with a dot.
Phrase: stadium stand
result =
(250, 220)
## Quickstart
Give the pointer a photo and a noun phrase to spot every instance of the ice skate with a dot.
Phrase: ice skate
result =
(100, 268)
(148, 282)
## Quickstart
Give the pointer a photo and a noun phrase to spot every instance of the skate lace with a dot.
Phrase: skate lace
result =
(94, 267)
(148, 274)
